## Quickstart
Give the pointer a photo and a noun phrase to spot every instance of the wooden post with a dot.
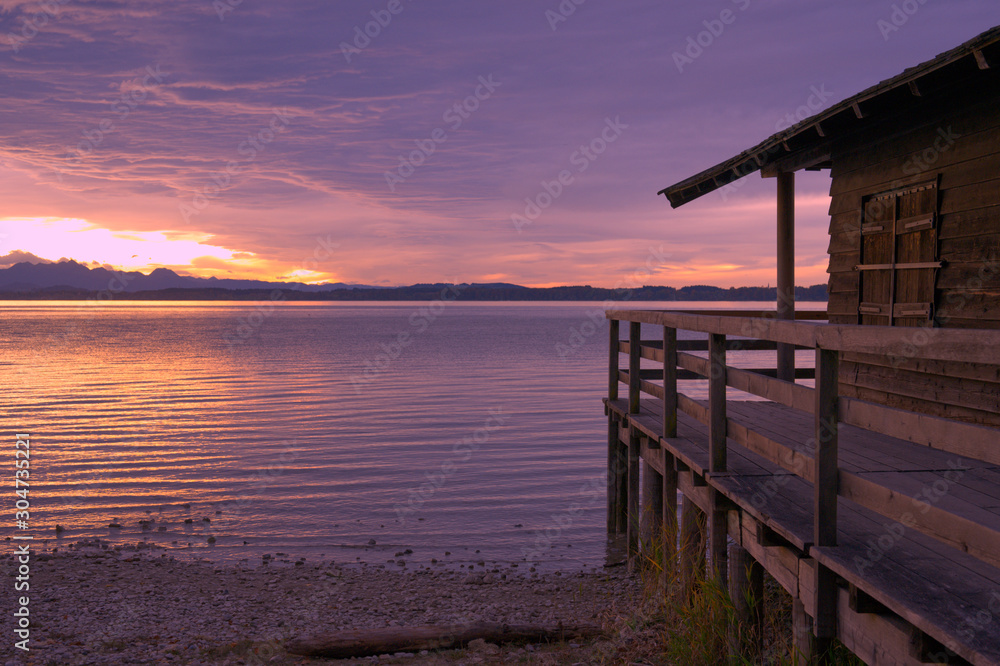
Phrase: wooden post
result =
(746, 588)
(621, 518)
(826, 472)
(718, 528)
(669, 481)
(669, 507)
(669, 382)
(718, 537)
(614, 474)
(633, 496)
(614, 327)
(614, 446)
(692, 544)
(652, 509)
(826, 490)
(786, 268)
(634, 359)
(632, 477)
(717, 403)
(802, 636)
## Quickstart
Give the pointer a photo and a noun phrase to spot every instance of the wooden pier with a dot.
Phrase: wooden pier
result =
(882, 524)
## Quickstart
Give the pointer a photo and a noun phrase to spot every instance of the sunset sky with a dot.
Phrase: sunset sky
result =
(277, 140)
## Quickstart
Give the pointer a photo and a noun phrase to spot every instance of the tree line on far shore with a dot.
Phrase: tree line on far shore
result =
(422, 292)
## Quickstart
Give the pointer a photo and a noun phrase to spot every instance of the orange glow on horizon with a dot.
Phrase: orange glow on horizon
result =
(186, 253)
(193, 253)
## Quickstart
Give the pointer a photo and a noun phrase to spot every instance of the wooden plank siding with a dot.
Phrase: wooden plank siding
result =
(957, 142)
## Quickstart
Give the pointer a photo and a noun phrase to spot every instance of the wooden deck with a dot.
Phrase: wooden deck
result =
(903, 563)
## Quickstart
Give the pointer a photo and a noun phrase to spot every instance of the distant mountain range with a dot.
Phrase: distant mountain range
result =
(71, 275)
(69, 280)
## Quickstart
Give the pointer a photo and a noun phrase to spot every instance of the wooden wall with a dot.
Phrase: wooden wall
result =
(954, 138)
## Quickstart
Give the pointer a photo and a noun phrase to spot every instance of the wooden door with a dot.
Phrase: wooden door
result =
(899, 257)
(877, 248)
(916, 246)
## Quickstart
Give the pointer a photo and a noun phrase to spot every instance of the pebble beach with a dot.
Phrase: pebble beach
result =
(95, 603)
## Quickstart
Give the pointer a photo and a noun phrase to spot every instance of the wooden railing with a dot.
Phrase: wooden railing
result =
(824, 402)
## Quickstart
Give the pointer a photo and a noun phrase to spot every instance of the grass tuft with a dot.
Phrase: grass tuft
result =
(692, 620)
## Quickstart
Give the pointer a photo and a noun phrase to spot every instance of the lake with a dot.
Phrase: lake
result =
(312, 429)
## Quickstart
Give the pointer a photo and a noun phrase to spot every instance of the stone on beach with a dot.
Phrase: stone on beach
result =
(135, 603)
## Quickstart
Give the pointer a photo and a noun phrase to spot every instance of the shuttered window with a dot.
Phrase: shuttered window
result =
(899, 256)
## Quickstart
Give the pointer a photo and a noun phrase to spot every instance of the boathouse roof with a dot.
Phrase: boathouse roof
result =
(806, 145)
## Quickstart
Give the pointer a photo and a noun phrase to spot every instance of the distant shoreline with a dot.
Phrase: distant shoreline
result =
(429, 292)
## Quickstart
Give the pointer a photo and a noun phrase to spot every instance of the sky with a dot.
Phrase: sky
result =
(391, 142)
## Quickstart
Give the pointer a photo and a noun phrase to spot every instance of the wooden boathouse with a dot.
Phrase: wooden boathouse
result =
(866, 483)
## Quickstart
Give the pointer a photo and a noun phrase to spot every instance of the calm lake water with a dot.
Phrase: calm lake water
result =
(316, 428)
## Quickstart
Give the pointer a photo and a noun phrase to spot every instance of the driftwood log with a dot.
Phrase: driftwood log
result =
(368, 642)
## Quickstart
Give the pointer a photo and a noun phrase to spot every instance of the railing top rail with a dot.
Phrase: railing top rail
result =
(759, 327)
(944, 344)
(801, 315)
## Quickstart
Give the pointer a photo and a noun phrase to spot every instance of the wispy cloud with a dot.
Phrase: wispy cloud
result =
(223, 79)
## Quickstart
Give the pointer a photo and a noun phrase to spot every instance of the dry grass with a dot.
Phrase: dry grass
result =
(698, 625)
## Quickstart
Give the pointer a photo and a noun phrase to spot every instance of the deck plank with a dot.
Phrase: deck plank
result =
(881, 449)
(777, 502)
(779, 425)
(985, 481)
(937, 589)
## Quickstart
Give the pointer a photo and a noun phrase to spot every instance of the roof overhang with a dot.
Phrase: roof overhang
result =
(807, 144)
